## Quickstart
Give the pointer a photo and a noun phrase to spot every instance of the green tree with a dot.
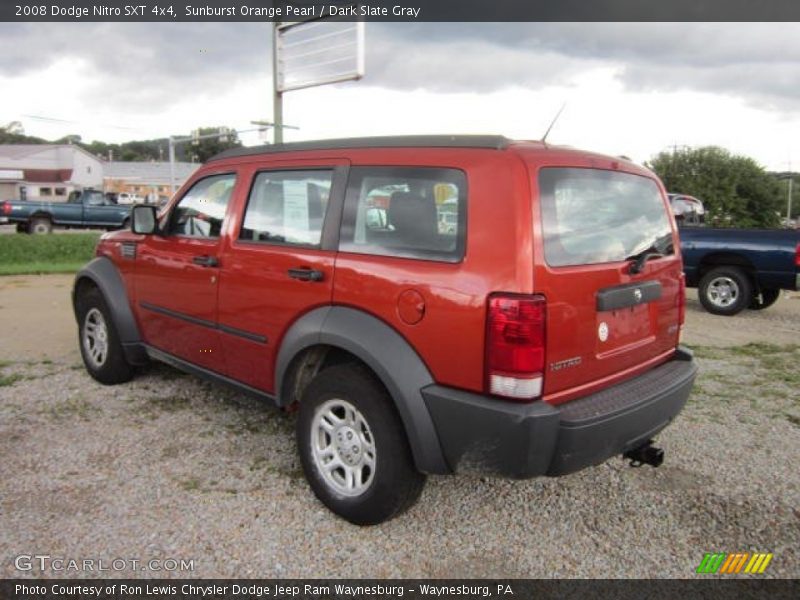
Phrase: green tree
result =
(205, 149)
(736, 191)
(135, 150)
(14, 134)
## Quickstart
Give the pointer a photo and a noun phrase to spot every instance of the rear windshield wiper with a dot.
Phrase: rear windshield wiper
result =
(639, 259)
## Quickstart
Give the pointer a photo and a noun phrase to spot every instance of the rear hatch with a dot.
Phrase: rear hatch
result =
(608, 265)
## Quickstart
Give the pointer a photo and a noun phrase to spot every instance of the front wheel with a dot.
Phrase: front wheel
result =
(766, 299)
(725, 291)
(353, 447)
(101, 349)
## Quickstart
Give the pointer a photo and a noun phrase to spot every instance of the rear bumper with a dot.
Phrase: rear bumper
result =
(525, 440)
(3, 220)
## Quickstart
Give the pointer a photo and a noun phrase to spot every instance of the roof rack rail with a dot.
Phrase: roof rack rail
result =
(494, 142)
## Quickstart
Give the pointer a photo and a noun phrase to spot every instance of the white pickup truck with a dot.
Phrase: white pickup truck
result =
(127, 198)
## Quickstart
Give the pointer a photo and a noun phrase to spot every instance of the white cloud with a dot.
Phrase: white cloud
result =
(509, 79)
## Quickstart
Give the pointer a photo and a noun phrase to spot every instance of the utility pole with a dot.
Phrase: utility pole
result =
(277, 95)
(172, 165)
(789, 201)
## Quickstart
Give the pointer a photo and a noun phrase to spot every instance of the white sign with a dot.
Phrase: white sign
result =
(318, 52)
(9, 174)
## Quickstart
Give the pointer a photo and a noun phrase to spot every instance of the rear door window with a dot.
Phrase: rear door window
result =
(287, 207)
(592, 216)
(411, 212)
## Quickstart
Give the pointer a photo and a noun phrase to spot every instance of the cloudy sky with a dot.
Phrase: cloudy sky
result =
(632, 88)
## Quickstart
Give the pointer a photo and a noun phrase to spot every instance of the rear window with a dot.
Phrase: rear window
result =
(591, 216)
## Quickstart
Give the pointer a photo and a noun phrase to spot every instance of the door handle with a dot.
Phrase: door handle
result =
(306, 274)
(205, 261)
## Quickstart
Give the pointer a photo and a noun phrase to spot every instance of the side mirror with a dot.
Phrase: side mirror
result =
(143, 219)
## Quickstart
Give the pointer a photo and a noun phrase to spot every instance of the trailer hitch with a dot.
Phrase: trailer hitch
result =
(646, 454)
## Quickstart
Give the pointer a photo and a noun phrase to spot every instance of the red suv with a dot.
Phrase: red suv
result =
(428, 304)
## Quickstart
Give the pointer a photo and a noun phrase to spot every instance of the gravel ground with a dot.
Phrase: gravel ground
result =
(168, 466)
(779, 324)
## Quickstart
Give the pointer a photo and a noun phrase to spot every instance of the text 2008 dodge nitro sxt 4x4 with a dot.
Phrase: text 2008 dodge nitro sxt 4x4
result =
(428, 304)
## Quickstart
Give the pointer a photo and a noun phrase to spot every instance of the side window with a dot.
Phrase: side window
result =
(201, 211)
(95, 199)
(411, 212)
(287, 207)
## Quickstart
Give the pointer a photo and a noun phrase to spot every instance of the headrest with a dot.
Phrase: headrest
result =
(412, 216)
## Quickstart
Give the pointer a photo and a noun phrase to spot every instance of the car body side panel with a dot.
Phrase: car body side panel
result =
(453, 295)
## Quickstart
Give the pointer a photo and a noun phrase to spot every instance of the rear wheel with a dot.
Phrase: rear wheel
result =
(353, 447)
(99, 341)
(725, 291)
(767, 298)
(40, 225)
(22, 228)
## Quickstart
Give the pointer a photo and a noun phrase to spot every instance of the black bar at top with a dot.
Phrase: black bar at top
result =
(403, 10)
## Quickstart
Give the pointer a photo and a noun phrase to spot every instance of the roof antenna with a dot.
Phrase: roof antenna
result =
(553, 122)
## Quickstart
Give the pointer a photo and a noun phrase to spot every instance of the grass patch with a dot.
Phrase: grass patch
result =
(54, 253)
(190, 485)
(7, 380)
(760, 350)
(154, 407)
(74, 407)
(708, 352)
(749, 381)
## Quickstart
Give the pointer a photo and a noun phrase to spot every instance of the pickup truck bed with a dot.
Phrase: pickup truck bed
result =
(739, 268)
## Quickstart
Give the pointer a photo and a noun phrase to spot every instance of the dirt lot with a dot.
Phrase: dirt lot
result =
(171, 467)
(36, 320)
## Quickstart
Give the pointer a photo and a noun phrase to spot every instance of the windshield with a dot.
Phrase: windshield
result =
(592, 216)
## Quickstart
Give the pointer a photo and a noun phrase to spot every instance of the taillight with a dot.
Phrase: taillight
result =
(682, 300)
(6, 208)
(797, 256)
(515, 345)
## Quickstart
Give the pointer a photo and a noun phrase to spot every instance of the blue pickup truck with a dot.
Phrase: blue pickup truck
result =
(86, 209)
(735, 269)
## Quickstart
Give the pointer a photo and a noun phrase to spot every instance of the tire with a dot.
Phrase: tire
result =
(347, 403)
(40, 225)
(767, 299)
(725, 291)
(22, 228)
(99, 341)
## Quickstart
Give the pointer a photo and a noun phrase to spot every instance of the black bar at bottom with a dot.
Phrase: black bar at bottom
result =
(356, 589)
